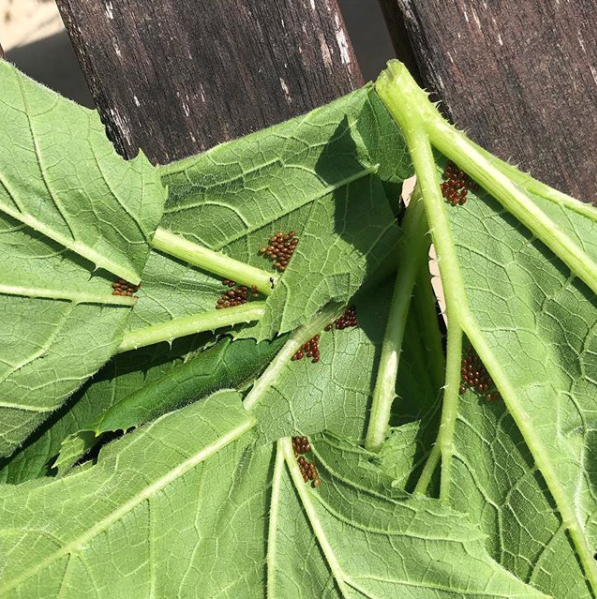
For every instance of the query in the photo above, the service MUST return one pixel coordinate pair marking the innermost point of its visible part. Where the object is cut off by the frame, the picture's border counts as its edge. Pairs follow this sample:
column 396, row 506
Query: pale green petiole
column 421, row 124
column 308, row 504
column 298, row 338
column 214, row 262
column 414, row 247
column 399, row 88
column 189, row 325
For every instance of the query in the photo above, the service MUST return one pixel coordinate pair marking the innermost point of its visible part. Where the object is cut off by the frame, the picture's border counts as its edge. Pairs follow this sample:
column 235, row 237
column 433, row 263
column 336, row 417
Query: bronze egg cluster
column 309, row 349
column 235, row 297
column 280, row 249
column 122, row 287
column 308, row 471
column 301, row 445
column 456, row 185
column 475, row 376
column 348, row 319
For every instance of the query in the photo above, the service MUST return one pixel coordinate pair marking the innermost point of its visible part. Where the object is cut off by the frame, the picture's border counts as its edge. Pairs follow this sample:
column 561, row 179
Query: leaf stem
column 399, row 99
column 414, row 247
column 273, row 521
column 77, row 297
column 445, row 437
column 214, row 262
column 285, row 446
column 513, row 198
column 396, row 87
column 427, row 319
column 298, row 338
column 404, row 100
column 536, row 187
column 189, row 325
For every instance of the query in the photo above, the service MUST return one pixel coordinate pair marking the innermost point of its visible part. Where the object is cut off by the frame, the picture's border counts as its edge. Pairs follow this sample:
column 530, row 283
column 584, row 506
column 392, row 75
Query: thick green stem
column 398, row 87
column 457, row 147
column 298, row 338
column 189, row 325
column 214, row 262
column 411, row 109
column 428, row 322
column 538, row 188
column 445, row 438
column 273, row 521
column 398, row 100
column 413, row 252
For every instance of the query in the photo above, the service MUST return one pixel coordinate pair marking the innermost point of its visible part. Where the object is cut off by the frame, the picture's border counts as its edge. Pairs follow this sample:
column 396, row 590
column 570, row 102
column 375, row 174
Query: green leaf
column 205, row 512
column 68, row 204
column 133, row 389
column 172, row 289
column 121, row 377
column 226, row 365
column 354, row 526
column 541, row 327
column 316, row 175
column 524, row 296
column 334, row 394
column 48, row 548
column 64, row 181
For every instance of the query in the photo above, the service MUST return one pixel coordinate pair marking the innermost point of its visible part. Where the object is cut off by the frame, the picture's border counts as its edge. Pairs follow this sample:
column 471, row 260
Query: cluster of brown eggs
column 235, row 297
column 280, row 249
column 348, row 319
column 475, row 376
column 301, row 445
column 308, row 469
column 122, row 287
column 456, row 185
column 309, row 349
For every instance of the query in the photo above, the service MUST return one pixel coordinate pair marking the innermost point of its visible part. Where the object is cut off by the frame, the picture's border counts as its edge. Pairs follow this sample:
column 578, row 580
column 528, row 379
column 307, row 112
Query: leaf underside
column 541, row 325
column 311, row 175
column 204, row 498
column 68, row 205
column 172, row 532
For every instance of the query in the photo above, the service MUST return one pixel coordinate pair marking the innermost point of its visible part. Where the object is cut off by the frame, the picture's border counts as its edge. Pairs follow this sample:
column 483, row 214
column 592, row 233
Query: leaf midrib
column 145, row 494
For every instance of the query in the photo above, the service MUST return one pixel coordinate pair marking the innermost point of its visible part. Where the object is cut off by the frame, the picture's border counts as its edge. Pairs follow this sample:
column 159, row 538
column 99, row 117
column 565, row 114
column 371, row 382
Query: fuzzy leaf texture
column 74, row 217
column 207, row 513
column 330, row 176
column 541, row 326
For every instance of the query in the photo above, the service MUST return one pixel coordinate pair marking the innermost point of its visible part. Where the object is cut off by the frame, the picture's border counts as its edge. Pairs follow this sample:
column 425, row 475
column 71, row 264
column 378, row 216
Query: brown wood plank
column 399, row 36
column 520, row 76
column 175, row 77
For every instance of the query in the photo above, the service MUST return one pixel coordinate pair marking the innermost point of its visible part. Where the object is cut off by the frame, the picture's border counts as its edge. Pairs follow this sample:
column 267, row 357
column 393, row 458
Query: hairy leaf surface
column 540, row 324
column 317, row 175
column 68, row 203
column 135, row 388
column 207, row 513
column 63, row 179
column 334, row 394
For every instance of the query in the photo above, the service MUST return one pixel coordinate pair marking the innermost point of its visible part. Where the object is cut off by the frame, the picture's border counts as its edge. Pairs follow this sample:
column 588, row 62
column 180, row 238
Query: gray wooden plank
column 520, row 76
column 175, row 77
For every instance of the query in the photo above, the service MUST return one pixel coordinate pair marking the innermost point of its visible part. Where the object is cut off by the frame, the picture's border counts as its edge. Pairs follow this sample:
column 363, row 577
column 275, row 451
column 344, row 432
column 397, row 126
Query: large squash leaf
column 318, row 175
column 540, row 328
column 68, row 205
column 205, row 512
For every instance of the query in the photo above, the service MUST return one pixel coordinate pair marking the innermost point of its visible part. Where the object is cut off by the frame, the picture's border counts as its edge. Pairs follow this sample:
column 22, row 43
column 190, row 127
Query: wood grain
column 399, row 36
column 519, row 76
column 175, row 77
